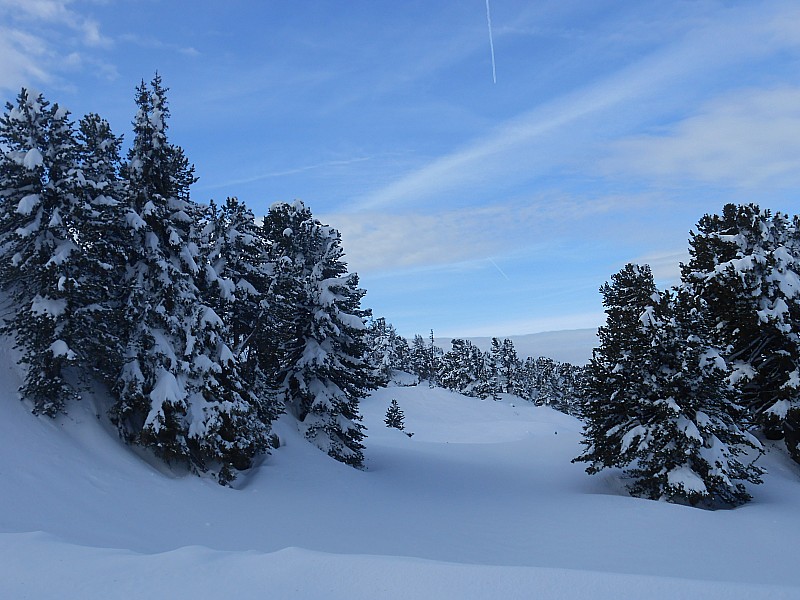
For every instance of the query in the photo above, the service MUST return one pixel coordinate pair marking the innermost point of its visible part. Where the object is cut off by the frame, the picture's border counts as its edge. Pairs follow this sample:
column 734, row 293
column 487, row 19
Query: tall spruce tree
column 660, row 403
column 745, row 265
column 179, row 393
column 420, row 358
column 509, row 366
column 98, row 321
column 693, row 450
column 619, row 368
column 38, row 192
column 493, row 372
column 434, row 359
column 502, row 366
column 237, row 284
column 322, row 371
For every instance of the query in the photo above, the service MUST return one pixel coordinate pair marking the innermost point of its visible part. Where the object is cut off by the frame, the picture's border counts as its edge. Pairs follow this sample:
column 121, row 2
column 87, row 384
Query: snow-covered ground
column 482, row 502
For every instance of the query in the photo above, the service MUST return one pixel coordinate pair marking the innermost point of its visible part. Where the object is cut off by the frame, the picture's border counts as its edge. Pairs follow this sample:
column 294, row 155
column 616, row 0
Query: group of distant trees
column 468, row 370
column 682, row 377
column 203, row 323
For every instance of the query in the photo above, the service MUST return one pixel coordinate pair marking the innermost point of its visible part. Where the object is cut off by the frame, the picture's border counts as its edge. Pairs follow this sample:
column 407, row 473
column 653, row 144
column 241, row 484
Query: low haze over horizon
column 472, row 207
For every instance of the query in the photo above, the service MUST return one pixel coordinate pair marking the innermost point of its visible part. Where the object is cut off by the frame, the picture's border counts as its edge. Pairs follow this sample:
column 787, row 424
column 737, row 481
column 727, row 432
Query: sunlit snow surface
column 482, row 502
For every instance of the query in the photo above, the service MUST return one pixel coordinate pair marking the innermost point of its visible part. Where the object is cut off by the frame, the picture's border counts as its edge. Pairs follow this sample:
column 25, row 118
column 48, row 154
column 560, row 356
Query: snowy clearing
column 482, row 502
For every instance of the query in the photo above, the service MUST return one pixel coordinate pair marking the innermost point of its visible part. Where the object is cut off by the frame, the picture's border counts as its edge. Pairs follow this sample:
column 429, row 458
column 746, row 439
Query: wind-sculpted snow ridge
column 197, row 572
column 482, row 502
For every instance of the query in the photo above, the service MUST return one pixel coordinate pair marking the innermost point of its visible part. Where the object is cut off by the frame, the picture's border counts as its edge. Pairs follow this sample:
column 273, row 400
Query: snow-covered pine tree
column 151, row 408
column 570, row 396
column 38, row 225
column 619, row 369
column 179, row 392
column 228, row 424
column 434, row 358
column 745, row 265
column 322, row 371
column 496, row 382
column 545, row 381
column 662, row 407
column 420, row 358
column 698, row 453
column 387, row 352
column 452, row 373
column 394, row 416
column 237, row 285
column 508, row 366
column 538, row 385
column 237, row 269
column 511, row 364
column 462, row 369
column 102, row 236
column 526, row 380
column 402, row 355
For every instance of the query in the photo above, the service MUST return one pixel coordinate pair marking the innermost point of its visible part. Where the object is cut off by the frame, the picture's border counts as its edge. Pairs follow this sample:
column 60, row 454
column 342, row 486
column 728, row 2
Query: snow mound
column 195, row 572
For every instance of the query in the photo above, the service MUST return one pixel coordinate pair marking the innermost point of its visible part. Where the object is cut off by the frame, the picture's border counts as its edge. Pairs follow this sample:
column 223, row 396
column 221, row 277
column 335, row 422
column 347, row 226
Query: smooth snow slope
column 482, row 502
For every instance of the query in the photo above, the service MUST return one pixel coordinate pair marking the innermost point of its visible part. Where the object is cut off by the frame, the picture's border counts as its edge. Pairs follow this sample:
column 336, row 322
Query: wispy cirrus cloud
column 749, row 138
column 545, row 137
column 23, row 57
column 54, row 12
column 665, row 265
column 32, row 40
column 379, row 241
column 152, row 43
column 286, row 172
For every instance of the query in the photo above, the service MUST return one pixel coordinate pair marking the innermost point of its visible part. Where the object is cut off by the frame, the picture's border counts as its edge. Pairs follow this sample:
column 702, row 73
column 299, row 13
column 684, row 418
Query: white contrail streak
column 491, row 260
column 491, row 41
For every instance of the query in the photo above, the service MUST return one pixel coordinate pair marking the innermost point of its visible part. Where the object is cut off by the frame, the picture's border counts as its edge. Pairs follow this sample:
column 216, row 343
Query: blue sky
column 465, row 205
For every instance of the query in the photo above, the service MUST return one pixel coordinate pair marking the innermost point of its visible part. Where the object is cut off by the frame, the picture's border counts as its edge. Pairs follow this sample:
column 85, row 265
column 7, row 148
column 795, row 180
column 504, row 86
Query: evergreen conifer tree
column 322, row 372
column 494, row 369
column 745, row 265
column 387, row 352
column 692, row 449
column 661, row 406
column 502, row 365
column 462, row 369
column 420, row 358
column 434, row 358
column 237, row 285
column 39, row 202
column 619, row 368
column 97, row 323
column 180, row 392
column 509, row 365
column 537, row 381
column 394, row 416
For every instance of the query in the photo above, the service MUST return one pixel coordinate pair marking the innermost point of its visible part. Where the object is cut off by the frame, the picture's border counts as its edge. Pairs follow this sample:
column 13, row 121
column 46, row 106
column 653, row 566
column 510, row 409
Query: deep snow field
column 482, row 502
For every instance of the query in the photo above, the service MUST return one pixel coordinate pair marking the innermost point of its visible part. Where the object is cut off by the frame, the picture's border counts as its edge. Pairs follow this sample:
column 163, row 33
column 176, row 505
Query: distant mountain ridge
column 568, row 345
